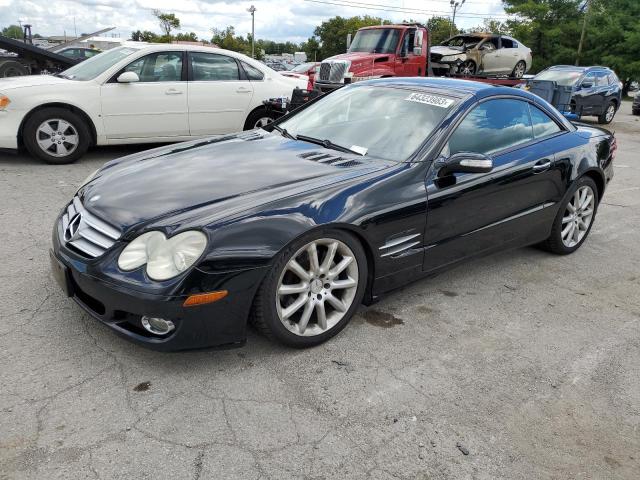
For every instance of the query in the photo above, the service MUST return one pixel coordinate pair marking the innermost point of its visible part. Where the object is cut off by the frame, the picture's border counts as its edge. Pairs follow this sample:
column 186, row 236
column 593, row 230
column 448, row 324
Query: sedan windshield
column 565, row 78
column 91, row 68
column 384, row 122
column 379, row 40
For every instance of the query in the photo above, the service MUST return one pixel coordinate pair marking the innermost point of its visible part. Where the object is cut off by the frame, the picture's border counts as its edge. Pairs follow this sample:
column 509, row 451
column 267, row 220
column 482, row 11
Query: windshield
column 565, row 78
column 302, row 68
column 462, row 41
column 379, row 40
column 91, row 68
column 384, row 122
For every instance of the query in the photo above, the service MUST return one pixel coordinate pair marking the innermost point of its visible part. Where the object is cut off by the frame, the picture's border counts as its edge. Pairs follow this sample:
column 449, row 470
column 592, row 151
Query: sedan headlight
column 450, row 58
column 165, row 257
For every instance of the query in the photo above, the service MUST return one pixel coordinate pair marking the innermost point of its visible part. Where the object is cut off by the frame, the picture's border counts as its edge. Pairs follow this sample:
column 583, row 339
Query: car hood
column 443, row 50
column 215, row 178
column 11, row 83
column 361, row 59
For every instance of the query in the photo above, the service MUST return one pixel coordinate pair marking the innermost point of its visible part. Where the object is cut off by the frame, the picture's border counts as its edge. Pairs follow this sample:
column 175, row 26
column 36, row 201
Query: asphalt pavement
column 522, row 365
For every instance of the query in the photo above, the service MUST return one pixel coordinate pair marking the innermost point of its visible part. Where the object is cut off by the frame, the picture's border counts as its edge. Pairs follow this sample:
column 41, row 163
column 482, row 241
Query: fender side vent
column 381, row 59
column 250, row 135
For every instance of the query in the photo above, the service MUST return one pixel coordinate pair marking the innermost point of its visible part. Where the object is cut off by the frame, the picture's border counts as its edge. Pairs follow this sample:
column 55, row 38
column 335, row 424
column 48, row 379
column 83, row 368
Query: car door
column 602, row 92
column 584, row 94
column 155, row 107
column 491, row 55
column 472, row 213
column 219, row 94
column 408, row 64
column 510, row 54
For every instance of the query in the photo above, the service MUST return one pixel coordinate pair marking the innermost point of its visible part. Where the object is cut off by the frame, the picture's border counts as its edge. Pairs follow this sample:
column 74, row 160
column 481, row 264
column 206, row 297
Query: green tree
column 187, row 37
column 167, row 21
column 612, row 38
column 13, row 31
column 551, row 28
column 332, row 33
column 312, row 48
column 490, row 25
column 229, row 40
column 440, row 28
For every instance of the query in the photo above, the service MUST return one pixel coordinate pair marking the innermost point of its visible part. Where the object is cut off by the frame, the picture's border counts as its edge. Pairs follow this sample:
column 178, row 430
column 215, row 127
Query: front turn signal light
column 4, row 102
column 203, row 298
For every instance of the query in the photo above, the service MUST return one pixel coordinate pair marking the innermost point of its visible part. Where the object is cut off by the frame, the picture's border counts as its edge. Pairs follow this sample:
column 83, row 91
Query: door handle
column 173, row 91
column 243, row 90
column 542, row 166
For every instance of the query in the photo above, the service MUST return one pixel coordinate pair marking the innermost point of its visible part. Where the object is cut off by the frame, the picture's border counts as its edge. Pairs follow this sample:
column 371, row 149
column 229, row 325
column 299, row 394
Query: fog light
column 157, row 326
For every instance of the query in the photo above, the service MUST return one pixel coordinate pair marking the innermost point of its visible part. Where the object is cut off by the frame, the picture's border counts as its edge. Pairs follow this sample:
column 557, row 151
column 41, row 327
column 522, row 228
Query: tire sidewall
column 557, row 229
column 513, row 73
column 36, row 119
column 602, row 119
column 270, row 314
column 253, row 117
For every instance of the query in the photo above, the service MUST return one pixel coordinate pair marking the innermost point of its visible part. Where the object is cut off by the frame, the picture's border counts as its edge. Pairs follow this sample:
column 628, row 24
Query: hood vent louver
column 250, row 135
column 329, row 159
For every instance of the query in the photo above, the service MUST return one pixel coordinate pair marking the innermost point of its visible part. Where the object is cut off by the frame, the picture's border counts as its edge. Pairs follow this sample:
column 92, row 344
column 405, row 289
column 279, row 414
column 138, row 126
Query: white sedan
column 137, row 93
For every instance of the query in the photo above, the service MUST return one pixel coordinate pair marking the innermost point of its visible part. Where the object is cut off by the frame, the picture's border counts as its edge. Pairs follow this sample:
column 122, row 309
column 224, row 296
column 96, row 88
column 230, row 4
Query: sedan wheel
column 578, row 216
column 317, row 287
column 57, row 137
column 519, row 70
column 608, row 114
column 312, row 289
column 263, row 122
column 468, row 68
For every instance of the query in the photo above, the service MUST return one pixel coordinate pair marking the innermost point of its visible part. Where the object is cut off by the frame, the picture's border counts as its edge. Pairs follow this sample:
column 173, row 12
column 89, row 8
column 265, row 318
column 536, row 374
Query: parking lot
column 522, row 365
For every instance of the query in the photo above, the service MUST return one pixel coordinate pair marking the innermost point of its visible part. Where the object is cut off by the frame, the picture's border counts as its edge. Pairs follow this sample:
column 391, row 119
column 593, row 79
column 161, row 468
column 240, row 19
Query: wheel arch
column 67, row 106
column 598, row 178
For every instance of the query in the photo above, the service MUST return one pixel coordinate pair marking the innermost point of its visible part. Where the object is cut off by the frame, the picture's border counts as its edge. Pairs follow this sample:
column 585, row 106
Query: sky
column 278, row 20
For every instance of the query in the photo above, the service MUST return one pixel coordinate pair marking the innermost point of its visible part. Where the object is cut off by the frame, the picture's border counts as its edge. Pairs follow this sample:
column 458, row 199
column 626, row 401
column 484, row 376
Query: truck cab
column 377, row 52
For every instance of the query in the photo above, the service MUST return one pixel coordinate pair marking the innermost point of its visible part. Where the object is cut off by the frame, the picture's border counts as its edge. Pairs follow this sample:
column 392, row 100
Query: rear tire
column 608, row 114
column 258, row 118
column 581, row 218
column 519, row 70
column 307, row 305
column 56, row 135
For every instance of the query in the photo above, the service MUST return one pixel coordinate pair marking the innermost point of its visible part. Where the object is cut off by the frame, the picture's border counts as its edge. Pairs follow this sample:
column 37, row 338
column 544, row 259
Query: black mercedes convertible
column 293, row 226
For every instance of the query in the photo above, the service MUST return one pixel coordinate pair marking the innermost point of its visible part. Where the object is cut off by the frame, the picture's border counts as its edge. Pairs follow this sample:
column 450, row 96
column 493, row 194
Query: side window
column 601, row 79
column 252, row 73
column 508, row 43
column 90, row 53
column 211, row 67
column 589, row 78
column 158, row 67
column 543, row 125
column 492, row 126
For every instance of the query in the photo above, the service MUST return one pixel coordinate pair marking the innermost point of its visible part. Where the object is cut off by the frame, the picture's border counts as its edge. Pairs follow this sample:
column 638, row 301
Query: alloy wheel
column 468, row 68
column 611, row 111
column 263, row 122
column 57, row 137
column 518, row 72
column 317, row 287
column 578, row 216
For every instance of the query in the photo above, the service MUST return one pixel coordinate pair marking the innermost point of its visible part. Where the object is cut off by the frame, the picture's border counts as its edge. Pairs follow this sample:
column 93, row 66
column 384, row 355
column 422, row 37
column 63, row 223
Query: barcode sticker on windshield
column 434, row 100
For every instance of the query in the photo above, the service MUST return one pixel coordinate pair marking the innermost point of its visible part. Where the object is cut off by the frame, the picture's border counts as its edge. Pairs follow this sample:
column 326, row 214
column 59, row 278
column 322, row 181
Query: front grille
column 86, row 233
column 333, row 71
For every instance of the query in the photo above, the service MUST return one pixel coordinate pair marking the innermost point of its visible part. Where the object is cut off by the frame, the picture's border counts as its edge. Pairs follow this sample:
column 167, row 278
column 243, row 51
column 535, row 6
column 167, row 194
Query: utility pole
column 252, row 11
column 455, row 6
column 584, row 29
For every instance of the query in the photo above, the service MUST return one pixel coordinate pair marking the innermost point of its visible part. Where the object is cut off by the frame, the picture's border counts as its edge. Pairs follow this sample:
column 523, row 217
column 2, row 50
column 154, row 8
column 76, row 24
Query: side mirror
column 418, row 39
column 128, row 77
column 586, row 84
column 348, row 41
column 465, row 162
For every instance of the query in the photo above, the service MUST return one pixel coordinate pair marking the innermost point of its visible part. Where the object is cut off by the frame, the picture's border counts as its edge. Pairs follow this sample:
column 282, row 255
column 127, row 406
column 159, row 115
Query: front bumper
column 9, row 126
column 221, row 324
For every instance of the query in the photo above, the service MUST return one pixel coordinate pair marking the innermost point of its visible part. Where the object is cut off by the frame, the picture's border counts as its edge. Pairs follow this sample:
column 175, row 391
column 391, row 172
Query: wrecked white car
column 481, row 53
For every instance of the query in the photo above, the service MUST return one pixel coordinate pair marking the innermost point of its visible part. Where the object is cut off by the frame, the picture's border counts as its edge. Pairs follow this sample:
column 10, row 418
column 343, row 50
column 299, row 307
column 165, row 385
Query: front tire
column 468, row 67
column 56, row 135
column 312, row 290
column 575, row 218
column 608, row 114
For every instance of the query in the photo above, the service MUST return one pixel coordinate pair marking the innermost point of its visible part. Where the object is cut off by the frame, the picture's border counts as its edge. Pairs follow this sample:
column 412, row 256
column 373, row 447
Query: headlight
column 449, row 58
column 4, row 102
column 165, row 257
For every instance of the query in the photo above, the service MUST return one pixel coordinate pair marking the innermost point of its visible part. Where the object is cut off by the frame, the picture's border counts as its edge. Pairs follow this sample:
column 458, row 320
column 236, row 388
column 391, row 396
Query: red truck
column 384, row 51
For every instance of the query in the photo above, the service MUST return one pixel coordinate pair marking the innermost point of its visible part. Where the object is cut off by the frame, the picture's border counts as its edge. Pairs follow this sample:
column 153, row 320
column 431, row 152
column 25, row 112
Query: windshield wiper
column 284, row 132
column 327, row 144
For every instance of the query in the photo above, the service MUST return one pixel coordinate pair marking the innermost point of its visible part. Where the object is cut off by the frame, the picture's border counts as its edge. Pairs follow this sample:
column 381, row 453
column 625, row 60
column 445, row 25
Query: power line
column 391, row 8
